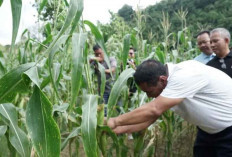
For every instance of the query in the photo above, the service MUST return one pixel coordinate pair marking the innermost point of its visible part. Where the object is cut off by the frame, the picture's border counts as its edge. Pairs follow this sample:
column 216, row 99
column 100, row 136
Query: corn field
column 49, row 98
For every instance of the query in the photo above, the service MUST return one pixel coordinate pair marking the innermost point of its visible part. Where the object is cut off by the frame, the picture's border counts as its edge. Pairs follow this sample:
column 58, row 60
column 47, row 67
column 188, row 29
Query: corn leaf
column 117, row 89
column 60, row 108
column 16, row 6
column 1, row 1
column 75, row 132
column 57, row 72
column 18, row 138
column 126, row 47
column 12, row 82
column 42, row 5
column 78, row 44
column 3, row 130
column 41, row 126
column 52, row 53
column 32, row 73
column 4, row 150
column 160, row 54
column 52, row 49
column 70, row 16
column 103, row 79
column 77, row 16
column 89, row 125
column 180, row 37
column 113, row 137
column 134, row 41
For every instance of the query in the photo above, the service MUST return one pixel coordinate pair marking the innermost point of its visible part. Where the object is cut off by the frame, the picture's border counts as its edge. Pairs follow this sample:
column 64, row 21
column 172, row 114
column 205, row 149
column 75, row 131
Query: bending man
column 198, row 93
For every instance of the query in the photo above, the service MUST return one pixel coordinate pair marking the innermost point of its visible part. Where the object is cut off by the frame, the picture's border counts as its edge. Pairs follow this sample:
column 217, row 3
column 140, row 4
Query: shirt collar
column 206, row 56
column 229, row 55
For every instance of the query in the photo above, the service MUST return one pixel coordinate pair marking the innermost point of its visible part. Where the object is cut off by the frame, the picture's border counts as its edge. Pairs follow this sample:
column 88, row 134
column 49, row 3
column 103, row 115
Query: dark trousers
column 106, row 98
column 213, row 145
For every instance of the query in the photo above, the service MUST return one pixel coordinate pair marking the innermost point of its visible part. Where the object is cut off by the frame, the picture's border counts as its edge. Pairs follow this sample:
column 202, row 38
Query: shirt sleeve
column 184, row 85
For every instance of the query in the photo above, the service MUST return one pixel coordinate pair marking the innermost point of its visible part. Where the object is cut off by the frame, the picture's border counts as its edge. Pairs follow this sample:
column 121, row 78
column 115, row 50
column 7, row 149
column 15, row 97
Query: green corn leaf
column 45, row 42
column 98, row 36
column 74, row 133
column 41, row 126
column 3, row 130
column 139, row 143
column 160, row 54
column 70, row 16
column 151, row 55
column 134, row 41
column 118, row 86
column 103, row 79
column 42, row 5
column 1, row 1
column 126, row 47
column 16, row 6
column 45, row 82
column 60, row 108
column 57, row 72
column 89, row 125
column 77, row 16
column 18, row 138
column 66, row 3
column 78, row 44
column 113, row 137
column 52, row 53
column 52, row 49
column 48, row 29
column 180, row 37
column 12, row 82
column 2, row 66
column 32, row 73
column 24, row 32
column 4, row 150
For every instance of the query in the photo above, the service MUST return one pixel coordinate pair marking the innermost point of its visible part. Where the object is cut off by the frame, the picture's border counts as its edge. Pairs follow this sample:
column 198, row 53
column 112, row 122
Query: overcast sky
column 94, row 10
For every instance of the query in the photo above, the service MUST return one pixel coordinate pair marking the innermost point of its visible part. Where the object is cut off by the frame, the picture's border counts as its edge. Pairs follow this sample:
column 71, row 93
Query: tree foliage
column 207, row 14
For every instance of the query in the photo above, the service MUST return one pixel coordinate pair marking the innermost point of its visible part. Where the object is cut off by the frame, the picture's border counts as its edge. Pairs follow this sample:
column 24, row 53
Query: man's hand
column 111, row 123
column 98, row 59
column 143, row 116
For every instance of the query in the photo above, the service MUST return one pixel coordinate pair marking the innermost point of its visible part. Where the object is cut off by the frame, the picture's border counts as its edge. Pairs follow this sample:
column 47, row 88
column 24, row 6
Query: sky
column 94, row 10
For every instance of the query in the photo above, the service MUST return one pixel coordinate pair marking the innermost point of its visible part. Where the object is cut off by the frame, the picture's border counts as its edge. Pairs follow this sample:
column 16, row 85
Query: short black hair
column 203, row 32
column 96, row 47
column 149, row 72
column 131, row 48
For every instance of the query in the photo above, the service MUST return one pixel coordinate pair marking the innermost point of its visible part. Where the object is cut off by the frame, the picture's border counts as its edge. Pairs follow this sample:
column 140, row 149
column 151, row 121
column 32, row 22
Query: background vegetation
column 196, row 15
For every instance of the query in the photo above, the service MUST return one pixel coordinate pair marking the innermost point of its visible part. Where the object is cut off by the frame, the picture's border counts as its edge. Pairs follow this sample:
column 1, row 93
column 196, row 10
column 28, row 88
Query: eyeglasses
column 223, row 64
column 131, row 53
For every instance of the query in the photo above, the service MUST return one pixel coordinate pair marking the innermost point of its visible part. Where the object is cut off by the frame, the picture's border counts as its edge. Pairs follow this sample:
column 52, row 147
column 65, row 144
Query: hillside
column 197, row 15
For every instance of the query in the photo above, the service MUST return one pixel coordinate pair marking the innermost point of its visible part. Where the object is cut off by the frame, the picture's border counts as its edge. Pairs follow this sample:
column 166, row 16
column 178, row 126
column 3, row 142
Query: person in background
column 131, row 56
column 220, row 40
column 132, row 64
column 99, row 57
column 198, row 93
column 203, row 42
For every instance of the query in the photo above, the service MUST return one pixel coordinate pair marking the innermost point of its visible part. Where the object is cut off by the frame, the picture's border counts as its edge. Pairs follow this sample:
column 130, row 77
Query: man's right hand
column 112, row 123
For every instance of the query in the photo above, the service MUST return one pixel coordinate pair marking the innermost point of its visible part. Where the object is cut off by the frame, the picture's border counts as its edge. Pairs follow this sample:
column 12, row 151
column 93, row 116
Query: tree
column 126, row 12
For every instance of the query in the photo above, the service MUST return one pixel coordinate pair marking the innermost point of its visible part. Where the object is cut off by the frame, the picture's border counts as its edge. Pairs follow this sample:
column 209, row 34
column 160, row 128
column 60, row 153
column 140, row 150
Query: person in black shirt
column 220, row 40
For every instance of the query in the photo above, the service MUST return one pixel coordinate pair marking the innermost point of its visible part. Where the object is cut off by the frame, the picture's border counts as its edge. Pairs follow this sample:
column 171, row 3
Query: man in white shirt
column 198, row 93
